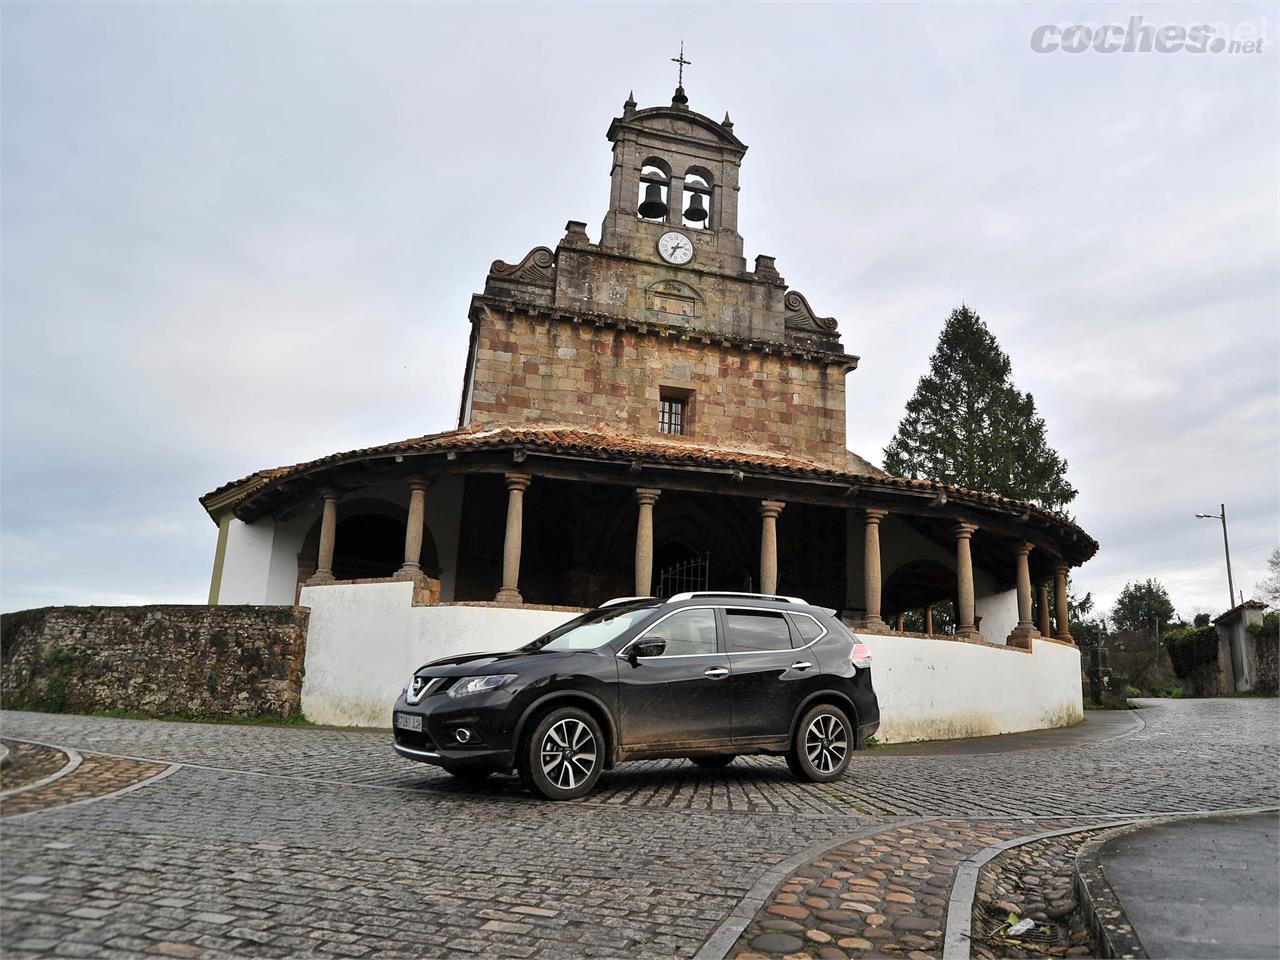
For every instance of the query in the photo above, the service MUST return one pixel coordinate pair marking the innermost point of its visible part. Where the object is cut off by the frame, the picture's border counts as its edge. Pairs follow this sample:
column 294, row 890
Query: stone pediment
column 534, row 277
column 681, row 123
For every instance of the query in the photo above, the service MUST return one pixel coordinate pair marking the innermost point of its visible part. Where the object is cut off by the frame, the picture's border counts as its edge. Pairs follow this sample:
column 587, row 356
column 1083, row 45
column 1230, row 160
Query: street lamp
column 1231, row 587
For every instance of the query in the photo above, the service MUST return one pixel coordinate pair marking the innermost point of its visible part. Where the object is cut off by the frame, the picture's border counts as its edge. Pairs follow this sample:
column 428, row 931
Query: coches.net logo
column 1138, row 36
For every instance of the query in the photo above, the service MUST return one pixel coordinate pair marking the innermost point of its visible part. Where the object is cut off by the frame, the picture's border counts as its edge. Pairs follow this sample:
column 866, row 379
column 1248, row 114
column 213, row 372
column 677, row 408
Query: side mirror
column 648, row 647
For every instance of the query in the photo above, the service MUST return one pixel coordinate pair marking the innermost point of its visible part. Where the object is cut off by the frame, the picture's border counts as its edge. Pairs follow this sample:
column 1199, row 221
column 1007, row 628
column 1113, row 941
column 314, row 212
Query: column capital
column 518, row 481
column 771, row 508
column 1061, row 569
column 647, row 495
column 1023, row 548
column 875, row 514
column 964, row 530
column 418, row 483
column 328, row 493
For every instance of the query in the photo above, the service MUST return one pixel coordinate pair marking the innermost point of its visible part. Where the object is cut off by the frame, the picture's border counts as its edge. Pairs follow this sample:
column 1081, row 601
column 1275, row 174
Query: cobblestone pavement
column 291, row 842
column 29, row 763
column 96, row 776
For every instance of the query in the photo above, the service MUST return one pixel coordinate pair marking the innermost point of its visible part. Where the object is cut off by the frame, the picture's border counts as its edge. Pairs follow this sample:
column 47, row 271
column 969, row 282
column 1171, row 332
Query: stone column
column 1060, row 590
column 898, row 624
column 1026, row 629
column 517, row 484
column 646, row 497
column 328, row 536
column 1044, row 608
column 964, row 581
column 871, row 576
column 412, row 566
column 928, row 620
column 769, row 510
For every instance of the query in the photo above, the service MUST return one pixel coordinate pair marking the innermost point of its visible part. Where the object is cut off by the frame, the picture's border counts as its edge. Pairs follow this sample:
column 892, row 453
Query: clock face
column 675, row 247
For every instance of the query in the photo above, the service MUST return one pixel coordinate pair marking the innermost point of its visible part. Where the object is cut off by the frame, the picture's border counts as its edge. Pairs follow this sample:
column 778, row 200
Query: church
column 644, row 414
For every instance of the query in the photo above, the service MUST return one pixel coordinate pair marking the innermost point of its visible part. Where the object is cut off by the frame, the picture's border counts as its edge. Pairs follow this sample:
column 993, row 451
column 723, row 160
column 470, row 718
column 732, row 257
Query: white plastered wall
column 365, row 640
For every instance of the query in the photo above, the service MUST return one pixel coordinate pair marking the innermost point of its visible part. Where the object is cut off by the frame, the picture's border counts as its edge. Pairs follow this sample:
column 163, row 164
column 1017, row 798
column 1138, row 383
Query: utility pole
column 1226, row 546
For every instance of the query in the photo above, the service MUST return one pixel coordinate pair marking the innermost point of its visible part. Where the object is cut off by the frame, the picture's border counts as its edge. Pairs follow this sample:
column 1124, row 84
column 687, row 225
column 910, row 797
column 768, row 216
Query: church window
column 655, row 190
column 697, row 199
column 672, row 412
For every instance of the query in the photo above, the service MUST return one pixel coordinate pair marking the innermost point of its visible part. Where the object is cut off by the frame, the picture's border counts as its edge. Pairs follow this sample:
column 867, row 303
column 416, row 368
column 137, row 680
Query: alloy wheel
column 825, row 743
column 568, row 753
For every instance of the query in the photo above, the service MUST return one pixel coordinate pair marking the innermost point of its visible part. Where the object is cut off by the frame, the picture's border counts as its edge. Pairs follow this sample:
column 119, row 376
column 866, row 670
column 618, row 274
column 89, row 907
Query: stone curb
column 73, row 761
column 1103, row 911
column 1108, row 924
column 721, row 941
column 155, row 778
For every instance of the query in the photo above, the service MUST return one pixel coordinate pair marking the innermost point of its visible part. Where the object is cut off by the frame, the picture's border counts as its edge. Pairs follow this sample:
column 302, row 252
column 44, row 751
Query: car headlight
column 469, row 685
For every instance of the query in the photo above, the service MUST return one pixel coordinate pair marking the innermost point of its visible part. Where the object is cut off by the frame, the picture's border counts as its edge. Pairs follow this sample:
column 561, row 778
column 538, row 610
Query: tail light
column 861, row 656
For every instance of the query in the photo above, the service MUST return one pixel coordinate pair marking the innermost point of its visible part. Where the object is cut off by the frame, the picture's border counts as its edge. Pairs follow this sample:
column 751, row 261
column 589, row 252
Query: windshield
column 594, row 629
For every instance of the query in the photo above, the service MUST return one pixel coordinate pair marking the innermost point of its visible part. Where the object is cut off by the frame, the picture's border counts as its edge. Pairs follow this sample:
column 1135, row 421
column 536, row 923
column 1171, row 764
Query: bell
column 696, row 211
column 654, row 207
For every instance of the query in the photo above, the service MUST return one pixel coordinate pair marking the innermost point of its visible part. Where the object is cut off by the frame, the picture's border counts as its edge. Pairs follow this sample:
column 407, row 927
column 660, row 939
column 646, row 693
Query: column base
column 408, row 572
column 319, row 580
column 968, row 633
column 1022, row 635
column 874, row 624
column 509, row 597
column 1065, row 638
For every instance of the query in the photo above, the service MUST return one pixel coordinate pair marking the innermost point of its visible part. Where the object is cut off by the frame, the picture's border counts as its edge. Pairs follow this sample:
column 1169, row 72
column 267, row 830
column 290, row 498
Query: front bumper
column 487, row 718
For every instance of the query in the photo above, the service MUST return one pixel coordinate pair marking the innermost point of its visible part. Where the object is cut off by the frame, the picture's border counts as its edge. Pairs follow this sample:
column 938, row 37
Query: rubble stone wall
column 159, row 660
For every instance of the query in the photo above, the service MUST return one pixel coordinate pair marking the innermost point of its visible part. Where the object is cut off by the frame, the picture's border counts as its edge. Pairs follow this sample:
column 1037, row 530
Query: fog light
column 462, row 734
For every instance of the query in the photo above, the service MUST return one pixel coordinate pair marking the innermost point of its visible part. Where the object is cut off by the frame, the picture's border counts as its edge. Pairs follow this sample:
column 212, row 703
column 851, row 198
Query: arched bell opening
column 697, row 199
column 654, row 200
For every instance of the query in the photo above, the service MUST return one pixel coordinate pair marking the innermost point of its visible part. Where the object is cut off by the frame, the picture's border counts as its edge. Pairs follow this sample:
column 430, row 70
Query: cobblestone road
column 292, row 842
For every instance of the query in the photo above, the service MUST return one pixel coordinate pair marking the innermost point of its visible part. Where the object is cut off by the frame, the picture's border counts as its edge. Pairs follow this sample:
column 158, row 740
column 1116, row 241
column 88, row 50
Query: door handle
column 801, row 665
column 716, row 673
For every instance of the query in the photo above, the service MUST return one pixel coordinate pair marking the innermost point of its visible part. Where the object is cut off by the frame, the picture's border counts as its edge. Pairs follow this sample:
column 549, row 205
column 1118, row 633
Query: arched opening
column 368, row 543
column 921, row 592
column 655, row 191
column 697, row 213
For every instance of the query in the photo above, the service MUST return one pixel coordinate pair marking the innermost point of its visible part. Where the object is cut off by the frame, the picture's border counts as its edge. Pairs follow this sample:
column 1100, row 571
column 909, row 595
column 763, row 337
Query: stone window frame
column 682, row 396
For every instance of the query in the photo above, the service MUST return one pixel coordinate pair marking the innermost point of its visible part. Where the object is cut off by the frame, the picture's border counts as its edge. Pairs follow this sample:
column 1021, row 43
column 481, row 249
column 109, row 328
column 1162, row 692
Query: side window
column 754, row 630
column 688, row 633
column 808, row 628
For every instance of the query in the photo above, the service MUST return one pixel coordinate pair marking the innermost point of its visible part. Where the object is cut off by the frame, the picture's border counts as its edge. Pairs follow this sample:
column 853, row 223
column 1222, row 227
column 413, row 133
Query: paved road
column 284, row 842
column 1201, row 888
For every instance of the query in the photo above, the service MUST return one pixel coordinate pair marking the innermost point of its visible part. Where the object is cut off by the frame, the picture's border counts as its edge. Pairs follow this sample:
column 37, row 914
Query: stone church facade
column 640, row 415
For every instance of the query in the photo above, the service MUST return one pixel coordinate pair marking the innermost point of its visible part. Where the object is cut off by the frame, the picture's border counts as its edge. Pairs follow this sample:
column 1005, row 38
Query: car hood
column 480, row 664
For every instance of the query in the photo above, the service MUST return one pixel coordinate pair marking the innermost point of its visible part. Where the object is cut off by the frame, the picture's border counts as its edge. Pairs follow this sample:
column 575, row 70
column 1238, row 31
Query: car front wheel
column 564, row 755
column 822, row 746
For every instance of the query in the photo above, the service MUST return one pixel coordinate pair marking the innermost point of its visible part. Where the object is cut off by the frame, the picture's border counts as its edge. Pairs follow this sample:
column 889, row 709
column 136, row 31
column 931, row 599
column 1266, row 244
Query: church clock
column 675, row 248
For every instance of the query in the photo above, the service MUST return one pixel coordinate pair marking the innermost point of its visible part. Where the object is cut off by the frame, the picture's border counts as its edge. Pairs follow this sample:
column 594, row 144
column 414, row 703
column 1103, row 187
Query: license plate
column 409, row 721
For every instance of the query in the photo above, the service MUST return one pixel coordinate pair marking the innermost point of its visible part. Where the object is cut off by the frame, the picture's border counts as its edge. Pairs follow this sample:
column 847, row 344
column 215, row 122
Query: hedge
column 1194, row 653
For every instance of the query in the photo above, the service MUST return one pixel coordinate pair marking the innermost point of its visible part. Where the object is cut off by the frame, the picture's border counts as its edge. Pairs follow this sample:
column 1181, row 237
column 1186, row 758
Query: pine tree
column 968, row 425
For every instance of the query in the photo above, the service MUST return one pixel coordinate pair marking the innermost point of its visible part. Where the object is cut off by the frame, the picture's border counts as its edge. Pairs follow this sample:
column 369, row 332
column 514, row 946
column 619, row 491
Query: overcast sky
column 242, row 235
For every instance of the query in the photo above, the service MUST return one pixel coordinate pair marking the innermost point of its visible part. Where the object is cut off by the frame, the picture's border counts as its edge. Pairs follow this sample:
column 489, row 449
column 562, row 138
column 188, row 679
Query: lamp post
column 1231, row 587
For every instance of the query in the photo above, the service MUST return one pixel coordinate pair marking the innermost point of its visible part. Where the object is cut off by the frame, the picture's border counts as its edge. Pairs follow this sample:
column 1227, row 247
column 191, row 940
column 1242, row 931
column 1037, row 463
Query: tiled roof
column 608, row 444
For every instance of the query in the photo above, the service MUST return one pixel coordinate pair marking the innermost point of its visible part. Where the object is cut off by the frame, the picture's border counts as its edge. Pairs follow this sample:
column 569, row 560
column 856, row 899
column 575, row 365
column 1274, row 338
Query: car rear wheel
column 823, row 744
column 714, row 763
column 564, row 755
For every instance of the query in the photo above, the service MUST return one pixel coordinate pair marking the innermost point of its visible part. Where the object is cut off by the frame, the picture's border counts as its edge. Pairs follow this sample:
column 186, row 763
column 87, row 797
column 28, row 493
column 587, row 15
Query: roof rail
column 617, row 600
column 731, row 593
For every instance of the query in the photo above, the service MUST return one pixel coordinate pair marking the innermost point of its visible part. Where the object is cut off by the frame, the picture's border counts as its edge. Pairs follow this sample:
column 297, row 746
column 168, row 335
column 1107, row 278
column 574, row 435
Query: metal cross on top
column 683, row 63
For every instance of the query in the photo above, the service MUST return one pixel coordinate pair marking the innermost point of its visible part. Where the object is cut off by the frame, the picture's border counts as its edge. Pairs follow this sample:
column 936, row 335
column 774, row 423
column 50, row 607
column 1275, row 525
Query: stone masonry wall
column 159, row 660
column 579, row 374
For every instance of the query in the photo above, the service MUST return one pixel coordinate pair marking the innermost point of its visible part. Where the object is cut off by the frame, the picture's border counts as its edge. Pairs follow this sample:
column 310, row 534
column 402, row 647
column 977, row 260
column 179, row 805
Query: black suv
column 706, row 676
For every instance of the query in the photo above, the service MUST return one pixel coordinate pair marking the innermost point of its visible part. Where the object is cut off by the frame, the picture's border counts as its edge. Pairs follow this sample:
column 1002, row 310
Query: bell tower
column 674, row 170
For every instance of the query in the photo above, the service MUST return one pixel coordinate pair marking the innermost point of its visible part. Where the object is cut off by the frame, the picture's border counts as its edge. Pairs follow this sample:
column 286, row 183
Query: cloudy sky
column 240, row 235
